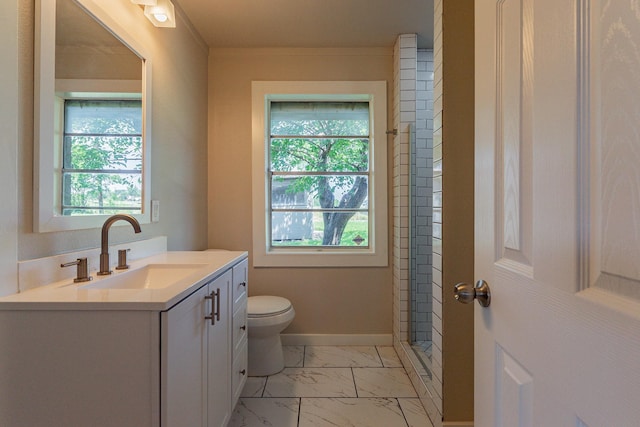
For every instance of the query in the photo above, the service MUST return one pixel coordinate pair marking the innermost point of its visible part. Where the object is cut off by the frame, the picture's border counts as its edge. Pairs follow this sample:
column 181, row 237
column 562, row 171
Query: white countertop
column 66, row 295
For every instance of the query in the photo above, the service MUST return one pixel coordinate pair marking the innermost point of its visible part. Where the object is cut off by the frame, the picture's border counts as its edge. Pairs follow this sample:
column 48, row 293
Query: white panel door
column 558, row 212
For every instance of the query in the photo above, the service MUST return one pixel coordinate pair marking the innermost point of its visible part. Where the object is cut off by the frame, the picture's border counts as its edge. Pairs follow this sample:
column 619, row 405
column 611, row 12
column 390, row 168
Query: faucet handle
column 82, row 274
column 122, row 259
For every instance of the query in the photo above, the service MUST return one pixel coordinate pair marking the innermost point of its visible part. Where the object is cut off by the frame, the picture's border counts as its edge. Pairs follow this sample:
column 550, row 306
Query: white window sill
column 320, row 258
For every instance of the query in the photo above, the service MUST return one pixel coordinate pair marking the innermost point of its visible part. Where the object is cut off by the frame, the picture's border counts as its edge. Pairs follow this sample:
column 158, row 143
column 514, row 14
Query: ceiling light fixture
column 161, row 13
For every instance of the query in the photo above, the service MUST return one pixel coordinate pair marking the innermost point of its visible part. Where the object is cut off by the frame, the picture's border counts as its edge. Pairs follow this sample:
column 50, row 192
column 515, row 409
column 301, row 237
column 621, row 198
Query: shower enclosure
column 421, row 213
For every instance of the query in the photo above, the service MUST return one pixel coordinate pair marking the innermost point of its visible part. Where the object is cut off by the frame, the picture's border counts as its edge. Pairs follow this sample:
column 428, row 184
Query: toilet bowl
column 267, row 317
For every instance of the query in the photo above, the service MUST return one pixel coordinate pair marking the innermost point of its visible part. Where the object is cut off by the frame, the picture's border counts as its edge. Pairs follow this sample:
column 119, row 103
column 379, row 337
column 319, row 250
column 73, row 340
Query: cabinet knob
column 243, row 284
column 243, row 327
column 244, row 371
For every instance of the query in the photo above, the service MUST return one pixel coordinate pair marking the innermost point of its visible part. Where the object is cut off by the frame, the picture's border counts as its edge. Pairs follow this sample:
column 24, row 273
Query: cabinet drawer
column 240, row 283
column 239, row 325
column 239, row 374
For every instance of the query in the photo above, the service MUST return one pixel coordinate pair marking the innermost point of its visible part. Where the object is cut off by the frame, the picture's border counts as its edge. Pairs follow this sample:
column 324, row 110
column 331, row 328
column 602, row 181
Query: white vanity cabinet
column 158, row 358
column 203, row 357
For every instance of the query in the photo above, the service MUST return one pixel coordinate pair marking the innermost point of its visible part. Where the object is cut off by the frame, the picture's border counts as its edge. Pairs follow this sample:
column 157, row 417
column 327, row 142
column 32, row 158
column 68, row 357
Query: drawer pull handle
column 215, row 312
column 218, row 305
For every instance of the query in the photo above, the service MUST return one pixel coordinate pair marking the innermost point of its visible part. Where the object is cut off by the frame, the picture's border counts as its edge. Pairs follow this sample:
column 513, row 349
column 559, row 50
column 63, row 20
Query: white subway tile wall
column 422, row 195
column 413, row 106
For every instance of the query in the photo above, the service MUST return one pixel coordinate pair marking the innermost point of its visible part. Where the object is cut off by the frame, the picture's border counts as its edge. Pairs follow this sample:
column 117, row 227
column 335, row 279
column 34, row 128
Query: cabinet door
column 219, row 354
column 184, row 362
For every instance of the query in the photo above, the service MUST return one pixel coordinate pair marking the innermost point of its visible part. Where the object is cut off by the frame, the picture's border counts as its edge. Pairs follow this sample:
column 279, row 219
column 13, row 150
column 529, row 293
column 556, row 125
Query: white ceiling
column 309, row 23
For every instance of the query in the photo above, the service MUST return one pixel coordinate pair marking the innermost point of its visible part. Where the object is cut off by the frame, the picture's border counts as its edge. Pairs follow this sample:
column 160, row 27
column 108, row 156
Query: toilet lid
column 260, row 306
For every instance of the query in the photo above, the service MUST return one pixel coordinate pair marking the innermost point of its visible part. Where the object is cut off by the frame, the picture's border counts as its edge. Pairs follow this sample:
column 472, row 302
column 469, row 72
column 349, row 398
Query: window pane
column 92, row 193
column 103, row 152
column 320, row 192
column 103, row 117
column 292, row 227
column 318, row 229
column 290, row 193
column 309, row 207
column 319, row 154
column 319, row 118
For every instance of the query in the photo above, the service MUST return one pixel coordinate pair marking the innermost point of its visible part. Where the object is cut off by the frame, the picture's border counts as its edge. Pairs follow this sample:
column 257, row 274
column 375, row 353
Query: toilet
column 267, row 317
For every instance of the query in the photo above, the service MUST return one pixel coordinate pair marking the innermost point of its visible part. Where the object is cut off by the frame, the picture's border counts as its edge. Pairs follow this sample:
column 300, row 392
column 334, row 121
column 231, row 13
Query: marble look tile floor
column 337, row 386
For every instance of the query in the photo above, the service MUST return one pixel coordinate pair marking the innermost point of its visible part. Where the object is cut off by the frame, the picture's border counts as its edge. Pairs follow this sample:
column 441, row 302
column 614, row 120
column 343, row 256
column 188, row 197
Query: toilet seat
column 266, row 306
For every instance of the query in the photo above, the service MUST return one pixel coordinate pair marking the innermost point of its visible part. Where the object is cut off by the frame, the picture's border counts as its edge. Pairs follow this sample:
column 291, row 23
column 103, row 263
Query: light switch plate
column 155, row 210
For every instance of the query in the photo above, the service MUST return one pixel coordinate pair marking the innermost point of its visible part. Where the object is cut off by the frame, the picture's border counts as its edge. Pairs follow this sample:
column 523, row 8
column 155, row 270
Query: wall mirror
column 92, row 116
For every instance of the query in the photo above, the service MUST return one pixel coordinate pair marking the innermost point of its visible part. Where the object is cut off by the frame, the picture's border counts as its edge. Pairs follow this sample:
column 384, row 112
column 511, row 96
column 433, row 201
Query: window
column 101, row 157
column 319, row 174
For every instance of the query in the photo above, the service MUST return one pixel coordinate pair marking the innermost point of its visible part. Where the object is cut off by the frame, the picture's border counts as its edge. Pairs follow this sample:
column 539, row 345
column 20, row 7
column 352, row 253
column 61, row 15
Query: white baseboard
column 337, row 339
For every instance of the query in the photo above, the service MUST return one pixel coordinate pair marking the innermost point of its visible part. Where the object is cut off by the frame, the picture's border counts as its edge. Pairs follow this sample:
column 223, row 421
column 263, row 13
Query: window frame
column 377, row 254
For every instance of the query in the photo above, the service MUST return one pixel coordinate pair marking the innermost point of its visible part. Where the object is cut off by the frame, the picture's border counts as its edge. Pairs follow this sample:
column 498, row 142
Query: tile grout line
column 402, row 411
column 355, row 386
column 304, row 354
column 379, row 357
column 264, row 387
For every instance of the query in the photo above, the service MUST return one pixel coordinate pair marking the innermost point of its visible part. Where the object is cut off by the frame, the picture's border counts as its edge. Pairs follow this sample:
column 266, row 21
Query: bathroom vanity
column 162, row 344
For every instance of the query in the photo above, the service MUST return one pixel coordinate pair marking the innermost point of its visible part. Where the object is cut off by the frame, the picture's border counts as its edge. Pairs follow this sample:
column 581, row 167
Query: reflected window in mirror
column 92, row 129
column 102, row 157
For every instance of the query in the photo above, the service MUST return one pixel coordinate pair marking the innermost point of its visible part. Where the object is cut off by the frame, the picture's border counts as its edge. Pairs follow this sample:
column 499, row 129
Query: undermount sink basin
column 151, row 276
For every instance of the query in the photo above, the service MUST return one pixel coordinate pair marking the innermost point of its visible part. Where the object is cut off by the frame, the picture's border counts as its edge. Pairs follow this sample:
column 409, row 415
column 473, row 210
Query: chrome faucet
column 104, row 253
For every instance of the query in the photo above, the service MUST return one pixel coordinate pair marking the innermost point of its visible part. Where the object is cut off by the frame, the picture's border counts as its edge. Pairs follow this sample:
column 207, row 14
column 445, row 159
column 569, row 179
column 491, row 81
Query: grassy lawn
column 357, row 226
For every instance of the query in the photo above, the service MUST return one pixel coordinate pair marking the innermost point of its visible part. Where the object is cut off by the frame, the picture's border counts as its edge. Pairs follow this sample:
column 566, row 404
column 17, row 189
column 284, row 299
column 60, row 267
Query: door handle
column 465, row 293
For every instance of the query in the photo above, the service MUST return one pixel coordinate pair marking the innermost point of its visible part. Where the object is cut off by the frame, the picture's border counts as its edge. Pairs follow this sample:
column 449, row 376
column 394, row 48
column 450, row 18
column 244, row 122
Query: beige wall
column 9, row 137
column 179, row 139
column 326, row 300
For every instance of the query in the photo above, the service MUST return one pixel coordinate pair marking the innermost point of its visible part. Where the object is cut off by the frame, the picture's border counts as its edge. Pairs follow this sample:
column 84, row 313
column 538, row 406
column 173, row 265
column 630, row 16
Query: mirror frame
column 46, row 215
